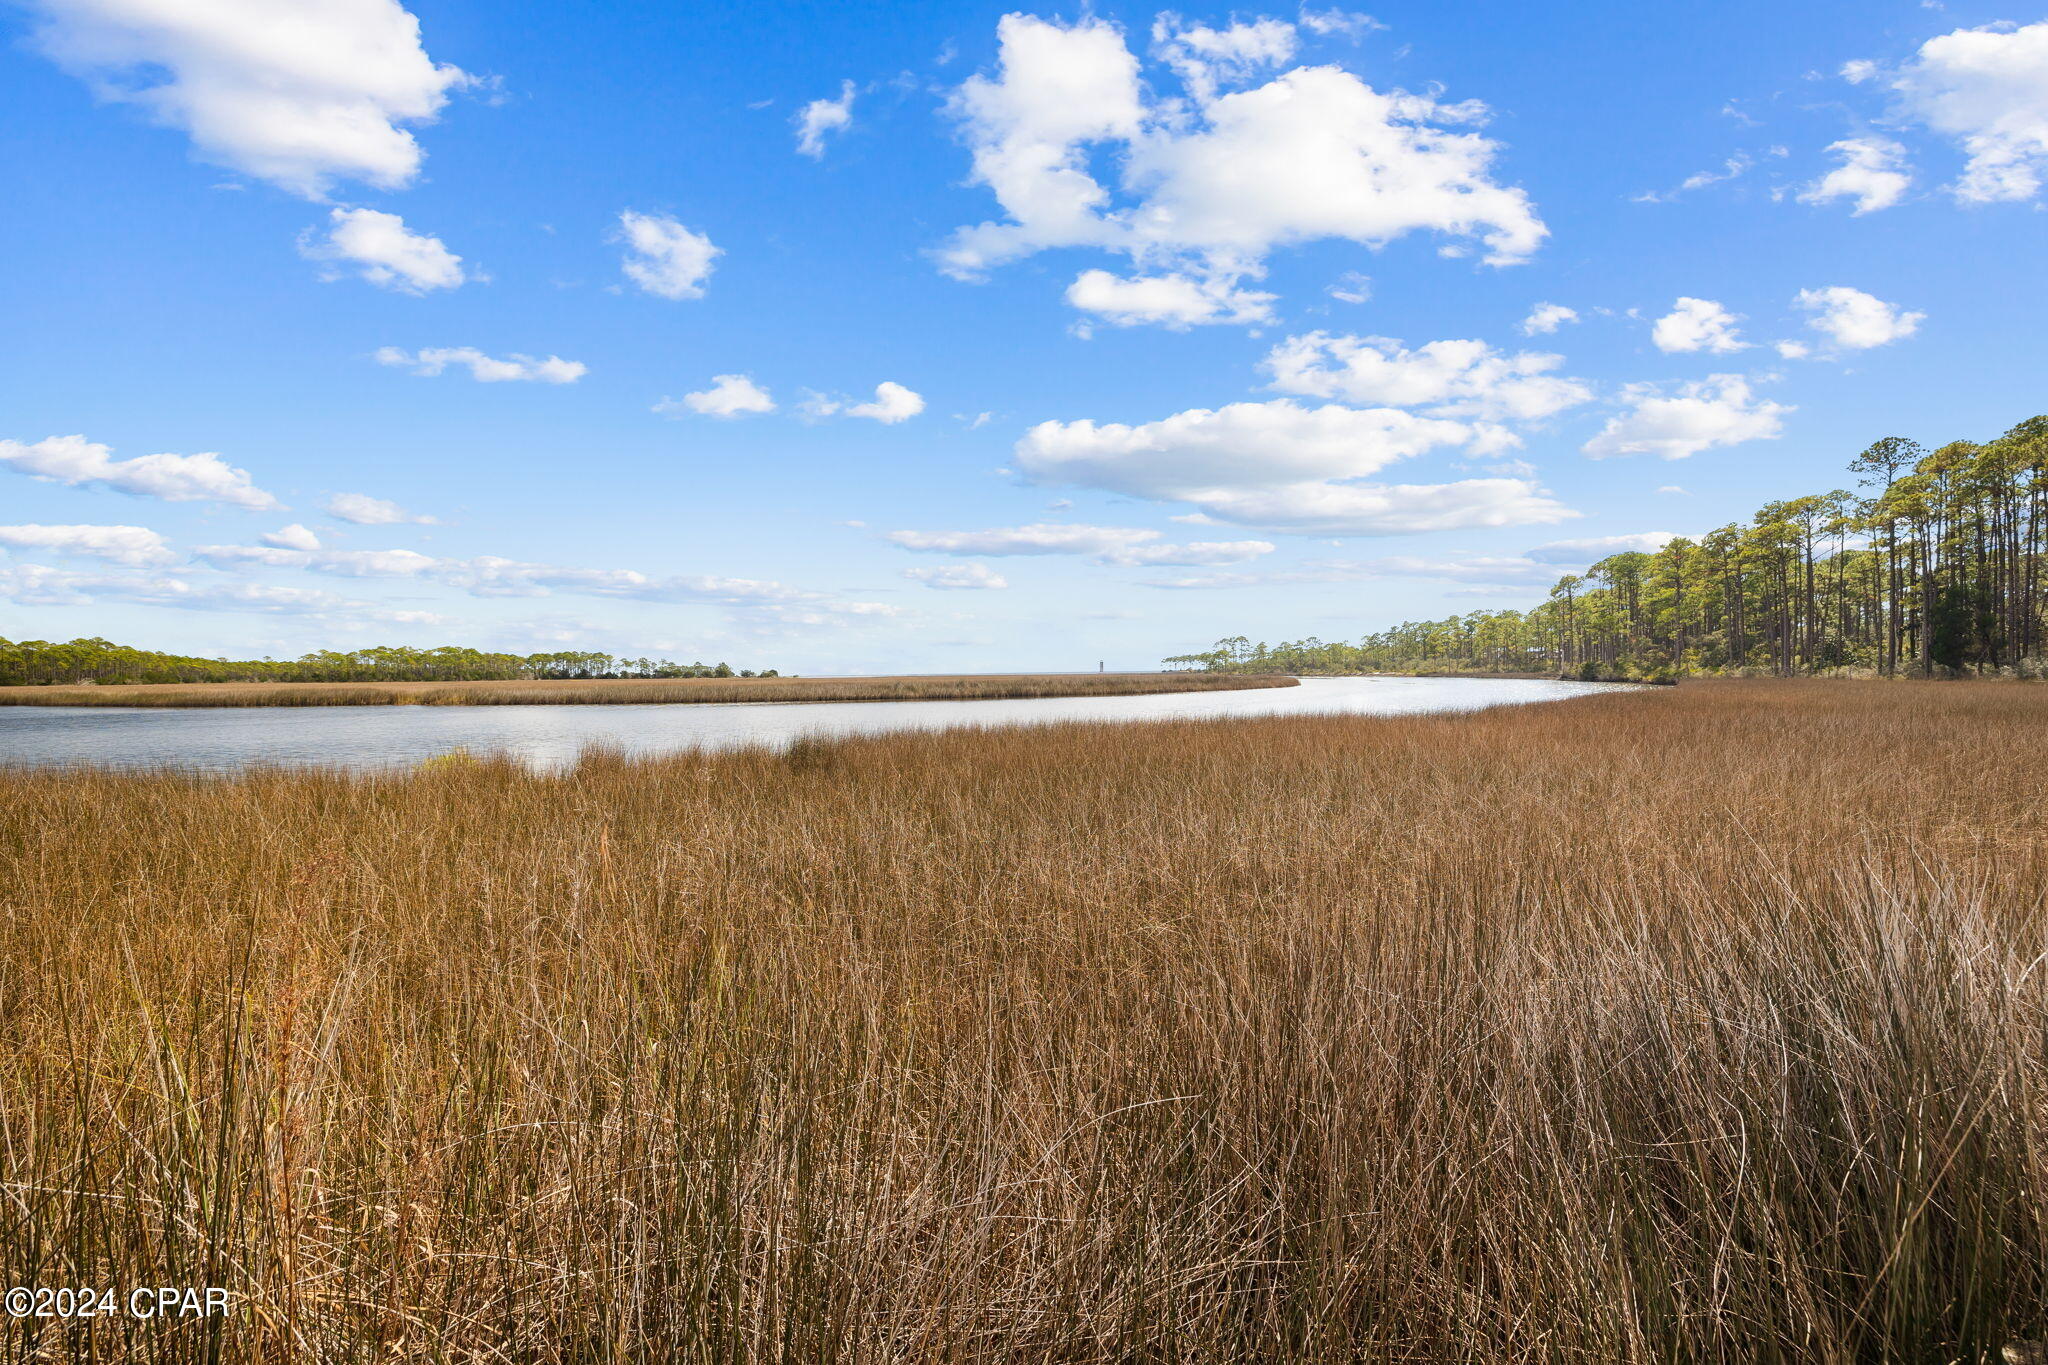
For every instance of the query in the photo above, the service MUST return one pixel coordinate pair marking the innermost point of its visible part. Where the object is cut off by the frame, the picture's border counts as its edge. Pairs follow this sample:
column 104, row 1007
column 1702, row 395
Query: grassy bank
column 1680, row 1025
column 614, row 691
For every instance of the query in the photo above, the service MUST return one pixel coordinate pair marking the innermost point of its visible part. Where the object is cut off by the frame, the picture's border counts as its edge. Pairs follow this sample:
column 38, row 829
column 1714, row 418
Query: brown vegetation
column 1698, row 1024
column 614, row 691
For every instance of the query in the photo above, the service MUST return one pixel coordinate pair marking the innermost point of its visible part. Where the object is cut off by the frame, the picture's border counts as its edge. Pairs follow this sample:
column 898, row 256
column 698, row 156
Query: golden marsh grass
column 1701, row 1024
column 616, row 691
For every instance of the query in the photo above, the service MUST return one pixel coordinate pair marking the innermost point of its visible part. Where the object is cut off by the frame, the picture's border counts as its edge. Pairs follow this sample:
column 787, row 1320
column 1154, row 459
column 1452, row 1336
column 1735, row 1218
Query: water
column 219, row 739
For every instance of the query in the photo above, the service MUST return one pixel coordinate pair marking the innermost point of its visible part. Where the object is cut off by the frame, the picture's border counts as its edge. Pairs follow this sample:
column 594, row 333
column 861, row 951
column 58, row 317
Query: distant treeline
column 1935, row 569
column 39, row 662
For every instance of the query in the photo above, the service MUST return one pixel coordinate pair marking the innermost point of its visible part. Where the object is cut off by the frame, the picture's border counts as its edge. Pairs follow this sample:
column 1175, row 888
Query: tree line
column 33, row 662
column 1934, row 566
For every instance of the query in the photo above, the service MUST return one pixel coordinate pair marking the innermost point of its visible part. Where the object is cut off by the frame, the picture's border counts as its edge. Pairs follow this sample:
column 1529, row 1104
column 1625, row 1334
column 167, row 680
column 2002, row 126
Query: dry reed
column 1702, row 1024
column 615, row 691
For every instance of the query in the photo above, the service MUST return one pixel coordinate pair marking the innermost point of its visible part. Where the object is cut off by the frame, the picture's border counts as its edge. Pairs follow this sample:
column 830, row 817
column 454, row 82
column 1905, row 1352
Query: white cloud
column 1352, row 287
column 364, row 510
column 665, row 258
column 958, row 576
column 1208, row 58
column 292, row 537
column 730, row 395
column 1733, row 168
column 385, row 252
column 1039, row 539
column 1546, row 318
column 761, row 603
column 1175, row 301
column 1490, row 575
column 174, row 478
column 1599, row 547
column 483, row 368
column 1987, row 88
column 40, row 585
column 1674, row 490
column 1104, row 544
column 1285, row 467
column 1855, row 320
column 892, row 403
column 1873, row 172
column 1209, row 185
column 299, row 94
column 1497, row 574
column 1793, row 350
column 345, row 563
column 820, row 117
column 135, row 545
column 1697, row 325
column 1717, row 411
column 1345, row 23
column 1193, row 552
column 1444, row 378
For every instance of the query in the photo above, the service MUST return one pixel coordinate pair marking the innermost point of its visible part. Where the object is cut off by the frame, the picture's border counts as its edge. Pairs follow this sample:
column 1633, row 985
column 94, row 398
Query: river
column 222, row 739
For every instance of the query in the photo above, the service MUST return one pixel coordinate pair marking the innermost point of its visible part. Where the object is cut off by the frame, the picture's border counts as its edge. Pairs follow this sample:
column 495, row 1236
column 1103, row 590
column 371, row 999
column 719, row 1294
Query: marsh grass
column 1702, row 1024
column 615, row 691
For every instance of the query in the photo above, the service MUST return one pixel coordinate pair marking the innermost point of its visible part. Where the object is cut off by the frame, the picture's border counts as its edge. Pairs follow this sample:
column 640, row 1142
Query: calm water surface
column 363, row 737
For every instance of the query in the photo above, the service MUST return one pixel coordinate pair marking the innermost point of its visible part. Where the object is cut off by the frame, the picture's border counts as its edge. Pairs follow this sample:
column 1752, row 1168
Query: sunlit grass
column 1702, row 1024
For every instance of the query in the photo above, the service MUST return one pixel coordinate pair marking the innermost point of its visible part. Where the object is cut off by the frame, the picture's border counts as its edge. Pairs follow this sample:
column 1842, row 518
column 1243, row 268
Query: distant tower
column 1099, row 665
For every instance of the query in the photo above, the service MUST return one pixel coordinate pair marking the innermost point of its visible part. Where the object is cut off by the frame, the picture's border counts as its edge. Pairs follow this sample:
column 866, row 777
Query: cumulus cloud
column 1873, row 172
column 1675, row 423
column 1174, row 301
column 292, row 537
column 1546, row 318
column 1208, row 58
column 1444, row 378
column 381, row 249
column 958, row 576
column 173, row 478
column 300, row 94
column 891, row 404
column 1986, row 88
column 730, row 395
column 364, row 510
column 663, row 257
column 1209, row 185
column 820, row 117
column 1282, row 466
column 134, row 545
column 483, row 368
column 1854, row 320
column 1697, row 325
column 1103, row 544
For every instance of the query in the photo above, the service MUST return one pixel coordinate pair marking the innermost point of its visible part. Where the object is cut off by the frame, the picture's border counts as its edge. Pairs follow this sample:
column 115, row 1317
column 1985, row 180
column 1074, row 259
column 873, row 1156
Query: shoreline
column 1483, row 676
column 633, row 691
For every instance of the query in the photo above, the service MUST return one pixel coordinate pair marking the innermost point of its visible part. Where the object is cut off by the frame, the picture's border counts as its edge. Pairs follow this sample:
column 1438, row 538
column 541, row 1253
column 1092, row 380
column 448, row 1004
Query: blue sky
column 430, row 304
